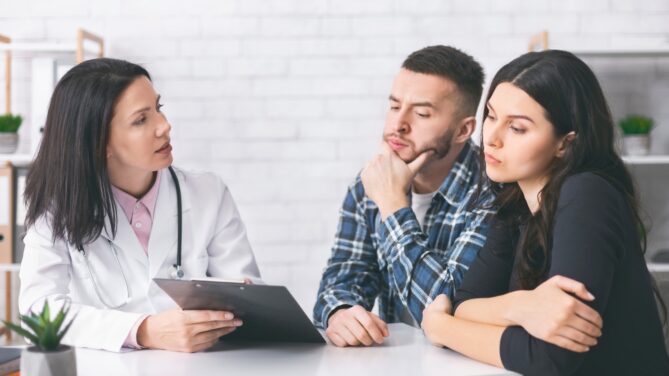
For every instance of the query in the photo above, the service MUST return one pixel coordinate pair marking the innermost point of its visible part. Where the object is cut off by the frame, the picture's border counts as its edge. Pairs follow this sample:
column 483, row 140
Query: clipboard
column 270, row 313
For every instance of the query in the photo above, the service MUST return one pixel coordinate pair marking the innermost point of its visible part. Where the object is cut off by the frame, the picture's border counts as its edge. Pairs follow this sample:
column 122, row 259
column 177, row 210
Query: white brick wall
column 285, row 98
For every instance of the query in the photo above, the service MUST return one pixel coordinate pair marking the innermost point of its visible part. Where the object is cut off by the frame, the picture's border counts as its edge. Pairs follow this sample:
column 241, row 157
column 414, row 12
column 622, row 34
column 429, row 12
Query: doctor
column 107, row 214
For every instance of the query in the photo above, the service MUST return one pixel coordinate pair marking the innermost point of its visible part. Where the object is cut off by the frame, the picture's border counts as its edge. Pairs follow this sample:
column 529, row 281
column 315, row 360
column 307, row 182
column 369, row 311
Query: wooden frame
column 83, row 35
column 538, row 42
column 8, row 74
column 8, row 274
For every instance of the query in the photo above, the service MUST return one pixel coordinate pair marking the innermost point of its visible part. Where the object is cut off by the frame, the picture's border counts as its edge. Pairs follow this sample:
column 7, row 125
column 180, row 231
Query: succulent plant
column 43, row 332
column 636, row 125
column 10, row 123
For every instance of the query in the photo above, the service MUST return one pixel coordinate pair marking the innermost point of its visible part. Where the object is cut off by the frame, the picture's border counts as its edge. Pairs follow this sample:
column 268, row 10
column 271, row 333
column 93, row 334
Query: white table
column 658, row 267
column 405, row 352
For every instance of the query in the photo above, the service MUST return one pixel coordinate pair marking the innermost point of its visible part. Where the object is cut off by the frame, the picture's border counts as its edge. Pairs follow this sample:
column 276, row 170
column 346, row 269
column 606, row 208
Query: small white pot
column 636, row 144
column 9, row 142
column 61, row 362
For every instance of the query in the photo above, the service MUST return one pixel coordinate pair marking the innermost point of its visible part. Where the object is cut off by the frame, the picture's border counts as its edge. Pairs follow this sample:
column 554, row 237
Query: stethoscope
column 176, row 271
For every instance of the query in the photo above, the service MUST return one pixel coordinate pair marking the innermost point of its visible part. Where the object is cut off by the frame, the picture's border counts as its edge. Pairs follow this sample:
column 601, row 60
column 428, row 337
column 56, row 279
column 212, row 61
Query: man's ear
column 465, row 129
column 564, row 143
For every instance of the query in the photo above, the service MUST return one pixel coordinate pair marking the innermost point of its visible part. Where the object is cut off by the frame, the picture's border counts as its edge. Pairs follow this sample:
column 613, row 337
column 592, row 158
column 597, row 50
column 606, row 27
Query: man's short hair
column 454, row 65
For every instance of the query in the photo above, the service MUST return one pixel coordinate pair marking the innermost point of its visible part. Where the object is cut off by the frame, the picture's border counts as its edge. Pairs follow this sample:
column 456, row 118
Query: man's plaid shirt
column 399, row 262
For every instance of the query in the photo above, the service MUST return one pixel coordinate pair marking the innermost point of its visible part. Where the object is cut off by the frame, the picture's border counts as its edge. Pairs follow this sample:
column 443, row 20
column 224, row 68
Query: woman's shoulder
column 41, row 231
column 203, row 189
column 197, row 179
column 589, row 186
column 589, row 195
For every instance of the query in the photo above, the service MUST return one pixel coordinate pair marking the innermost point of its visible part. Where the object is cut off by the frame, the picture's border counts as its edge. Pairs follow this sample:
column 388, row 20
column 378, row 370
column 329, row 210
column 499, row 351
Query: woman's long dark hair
column 573, row 101
column 68, row 182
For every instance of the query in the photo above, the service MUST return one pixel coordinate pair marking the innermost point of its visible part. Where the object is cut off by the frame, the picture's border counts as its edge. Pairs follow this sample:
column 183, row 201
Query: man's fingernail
column 592, row 297
column 229, row 316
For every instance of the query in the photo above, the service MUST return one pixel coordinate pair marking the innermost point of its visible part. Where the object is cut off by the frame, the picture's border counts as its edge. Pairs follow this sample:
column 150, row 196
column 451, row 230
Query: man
column 407, row 230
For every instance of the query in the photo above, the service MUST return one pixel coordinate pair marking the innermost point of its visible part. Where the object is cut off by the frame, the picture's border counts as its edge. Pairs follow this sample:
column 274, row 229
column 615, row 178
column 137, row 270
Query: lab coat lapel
column 163, row 240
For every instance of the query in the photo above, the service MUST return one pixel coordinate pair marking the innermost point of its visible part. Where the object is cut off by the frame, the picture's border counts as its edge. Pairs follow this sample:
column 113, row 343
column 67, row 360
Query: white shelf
column 16, row 158
column 10, row 267
column 662, row 51
column 646, row 159
column 45, row 48
column 39, row 47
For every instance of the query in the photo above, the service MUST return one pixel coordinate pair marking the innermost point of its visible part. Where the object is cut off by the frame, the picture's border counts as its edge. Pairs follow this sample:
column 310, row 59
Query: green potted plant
column 47, row 356
column 9, row 137
column 636, row 134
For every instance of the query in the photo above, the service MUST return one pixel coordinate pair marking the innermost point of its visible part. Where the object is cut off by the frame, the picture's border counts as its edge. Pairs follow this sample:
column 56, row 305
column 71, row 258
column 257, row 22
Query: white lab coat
column 214, row 242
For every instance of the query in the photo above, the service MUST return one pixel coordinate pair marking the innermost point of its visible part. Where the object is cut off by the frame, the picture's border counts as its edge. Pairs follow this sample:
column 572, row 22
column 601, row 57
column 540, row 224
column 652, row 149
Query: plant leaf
column 58, row 321
column 10, row 123
column 24, row 333
column 33, row 324
column 46, row 333
column 46, row 314
column 65, row 329
column 49, row 340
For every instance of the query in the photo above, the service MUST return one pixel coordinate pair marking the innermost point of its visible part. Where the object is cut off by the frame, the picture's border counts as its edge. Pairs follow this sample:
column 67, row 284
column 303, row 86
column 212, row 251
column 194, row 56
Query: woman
column 105, row 214
column 561, row 286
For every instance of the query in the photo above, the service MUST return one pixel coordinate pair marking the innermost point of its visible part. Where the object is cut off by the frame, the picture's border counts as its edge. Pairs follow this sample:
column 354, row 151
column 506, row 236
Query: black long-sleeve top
column 595, row 241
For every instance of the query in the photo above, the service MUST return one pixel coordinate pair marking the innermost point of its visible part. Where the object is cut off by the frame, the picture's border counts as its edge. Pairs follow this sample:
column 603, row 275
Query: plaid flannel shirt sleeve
column 352, row 274
column 419, row 273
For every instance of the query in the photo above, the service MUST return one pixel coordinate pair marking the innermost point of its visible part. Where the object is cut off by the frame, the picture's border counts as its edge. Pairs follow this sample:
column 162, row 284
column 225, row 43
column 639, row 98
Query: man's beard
column 440, row 147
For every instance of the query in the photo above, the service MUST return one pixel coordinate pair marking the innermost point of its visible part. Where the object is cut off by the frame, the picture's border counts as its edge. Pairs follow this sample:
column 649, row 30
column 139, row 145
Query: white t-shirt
column 420, row 203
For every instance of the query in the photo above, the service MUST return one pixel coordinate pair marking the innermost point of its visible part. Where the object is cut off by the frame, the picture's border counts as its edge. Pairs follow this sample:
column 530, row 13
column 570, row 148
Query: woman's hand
column 185, row 331
column 433, row 318
column 552, row 314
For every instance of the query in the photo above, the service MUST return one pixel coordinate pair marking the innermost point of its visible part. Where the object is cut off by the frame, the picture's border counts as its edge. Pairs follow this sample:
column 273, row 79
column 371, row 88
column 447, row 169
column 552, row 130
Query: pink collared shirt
column 139, row 212
column 140, row 216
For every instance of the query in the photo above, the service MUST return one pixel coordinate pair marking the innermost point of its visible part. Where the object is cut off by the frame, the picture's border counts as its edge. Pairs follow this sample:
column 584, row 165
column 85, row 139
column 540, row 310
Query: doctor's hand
column 387, row 179
column 554, row 312
column 355, row 326
column 185, row 331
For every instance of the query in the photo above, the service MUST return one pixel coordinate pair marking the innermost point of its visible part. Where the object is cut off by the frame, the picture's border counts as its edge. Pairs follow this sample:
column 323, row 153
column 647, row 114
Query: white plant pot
column 53, row 363
column 636, row 144
column 8, row 142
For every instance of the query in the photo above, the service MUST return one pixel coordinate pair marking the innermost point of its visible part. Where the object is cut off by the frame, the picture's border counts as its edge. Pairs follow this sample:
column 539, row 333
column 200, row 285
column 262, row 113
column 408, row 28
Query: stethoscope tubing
column 177, row 272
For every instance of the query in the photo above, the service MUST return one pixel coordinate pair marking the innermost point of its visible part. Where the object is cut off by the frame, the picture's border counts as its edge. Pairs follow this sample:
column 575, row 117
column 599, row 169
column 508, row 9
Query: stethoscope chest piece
column 176, row 272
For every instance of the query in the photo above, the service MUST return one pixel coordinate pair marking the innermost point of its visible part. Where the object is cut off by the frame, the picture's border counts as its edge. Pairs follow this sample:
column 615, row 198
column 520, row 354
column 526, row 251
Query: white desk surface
column 406, row 352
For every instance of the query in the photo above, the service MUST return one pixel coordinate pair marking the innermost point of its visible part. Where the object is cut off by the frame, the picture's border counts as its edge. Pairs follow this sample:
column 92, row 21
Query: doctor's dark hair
column 68, row 182
column 573, row 101
column 454, row 65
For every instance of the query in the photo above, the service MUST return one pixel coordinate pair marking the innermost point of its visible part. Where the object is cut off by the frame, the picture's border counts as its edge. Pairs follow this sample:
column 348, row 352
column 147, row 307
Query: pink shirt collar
column 128, row 201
